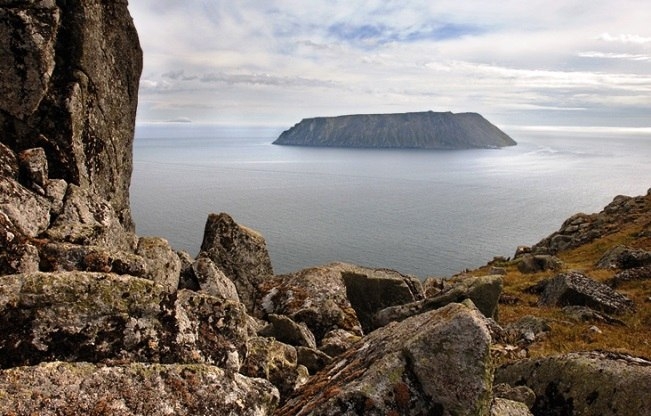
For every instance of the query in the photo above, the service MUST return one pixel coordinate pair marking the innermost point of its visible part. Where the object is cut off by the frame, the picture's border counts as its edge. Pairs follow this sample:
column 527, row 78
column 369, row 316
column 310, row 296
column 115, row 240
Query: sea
column 420, row 212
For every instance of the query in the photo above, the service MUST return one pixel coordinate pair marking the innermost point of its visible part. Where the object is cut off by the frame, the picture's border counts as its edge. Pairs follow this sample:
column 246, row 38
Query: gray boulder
column 163, row 264
column 284, row 329
column 622, row 257
column 505, row 407
column 370, row 290
column 484, row 291
column 529, row 263
column 574, row 288
column 314, row 296
column 213, row 281
column 338, row 341
column 595, row 383
column 434, row 363
column 239, row 252
column 28, row 212
column 60, row 388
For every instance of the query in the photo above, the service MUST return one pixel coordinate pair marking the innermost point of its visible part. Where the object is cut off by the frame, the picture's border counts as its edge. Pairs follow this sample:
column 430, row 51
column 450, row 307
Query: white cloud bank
column 277, row 61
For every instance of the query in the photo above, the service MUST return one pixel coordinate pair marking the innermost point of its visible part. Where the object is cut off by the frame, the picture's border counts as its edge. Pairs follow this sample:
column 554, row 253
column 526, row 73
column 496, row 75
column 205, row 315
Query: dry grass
column 634, row 337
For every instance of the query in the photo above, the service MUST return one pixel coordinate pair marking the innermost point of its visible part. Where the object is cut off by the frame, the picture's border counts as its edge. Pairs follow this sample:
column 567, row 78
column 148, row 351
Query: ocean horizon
column 421, row 212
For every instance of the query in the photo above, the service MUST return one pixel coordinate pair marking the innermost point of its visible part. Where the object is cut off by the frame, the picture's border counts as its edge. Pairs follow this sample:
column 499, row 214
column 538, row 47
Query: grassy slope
column 566, row 335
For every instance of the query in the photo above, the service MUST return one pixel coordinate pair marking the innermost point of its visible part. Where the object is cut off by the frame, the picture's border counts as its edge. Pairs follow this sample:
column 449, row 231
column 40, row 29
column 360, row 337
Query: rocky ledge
column 96, row 320
column 424, row 130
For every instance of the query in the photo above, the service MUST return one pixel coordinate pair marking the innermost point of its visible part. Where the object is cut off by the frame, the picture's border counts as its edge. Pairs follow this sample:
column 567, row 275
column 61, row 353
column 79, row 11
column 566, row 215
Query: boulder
column 314, row 360
column 284, row 329
column 28, row 212
column 33, row 167
column 163, row 264
column 522, row 394
column 55, row 192
column 71, row 257
column 60, row 388
column 505, row 407
column 89, row 219
column 199, row 328
column 628, row 275
column 622, row 257
column 437, row 362
column 78, row 316
column 274, row 361
column 239, row 252
column 314, row 296
column 527, row 329
column 370, row 290
column 81, row 316
column 484, row 291
column 593, row 383
column 213, row 281
column 574, row 288
column 529, row 263
column 585, row 314
column 8, row 162
column 338, row 341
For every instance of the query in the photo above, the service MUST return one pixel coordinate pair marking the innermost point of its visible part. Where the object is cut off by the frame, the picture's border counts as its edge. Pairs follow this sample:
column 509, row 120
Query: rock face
column 425, row 130
column 436, row 363
column 60, row 388
column 69, row 85
column 618, row 385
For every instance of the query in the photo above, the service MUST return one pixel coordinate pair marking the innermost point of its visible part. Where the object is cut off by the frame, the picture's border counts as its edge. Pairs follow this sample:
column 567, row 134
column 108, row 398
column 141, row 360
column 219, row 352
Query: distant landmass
column 421, row 130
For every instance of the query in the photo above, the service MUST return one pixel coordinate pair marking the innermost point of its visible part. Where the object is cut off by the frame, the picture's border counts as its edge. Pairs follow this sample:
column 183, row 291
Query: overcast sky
column 274, row 62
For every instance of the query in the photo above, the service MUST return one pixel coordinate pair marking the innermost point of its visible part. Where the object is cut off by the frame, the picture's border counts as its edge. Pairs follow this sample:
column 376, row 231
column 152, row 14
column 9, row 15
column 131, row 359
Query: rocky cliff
column 425, row 130
column 95, row 320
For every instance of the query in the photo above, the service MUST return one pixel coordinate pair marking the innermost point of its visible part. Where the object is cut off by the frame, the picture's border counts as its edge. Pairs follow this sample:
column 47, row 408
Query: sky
column 547, row 63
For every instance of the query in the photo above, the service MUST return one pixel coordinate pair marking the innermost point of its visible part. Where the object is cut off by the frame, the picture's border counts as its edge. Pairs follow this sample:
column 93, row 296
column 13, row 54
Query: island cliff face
column 95, row 320
column 423, row 130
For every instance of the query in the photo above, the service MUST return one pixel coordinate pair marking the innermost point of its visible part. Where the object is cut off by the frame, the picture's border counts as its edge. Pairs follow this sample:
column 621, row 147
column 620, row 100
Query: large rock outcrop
column 70, row 74
column 425, row 130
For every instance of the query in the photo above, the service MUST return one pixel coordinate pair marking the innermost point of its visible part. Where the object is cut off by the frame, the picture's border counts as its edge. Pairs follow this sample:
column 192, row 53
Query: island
column 418, row 130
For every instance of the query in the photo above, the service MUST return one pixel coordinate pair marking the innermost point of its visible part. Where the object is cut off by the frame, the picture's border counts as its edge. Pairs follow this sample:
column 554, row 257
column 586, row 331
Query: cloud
column 625, row 38
column 613, row 55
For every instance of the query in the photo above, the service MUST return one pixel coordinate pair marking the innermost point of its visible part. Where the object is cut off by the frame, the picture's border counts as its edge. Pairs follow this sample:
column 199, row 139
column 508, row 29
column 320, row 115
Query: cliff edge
column 422, row 130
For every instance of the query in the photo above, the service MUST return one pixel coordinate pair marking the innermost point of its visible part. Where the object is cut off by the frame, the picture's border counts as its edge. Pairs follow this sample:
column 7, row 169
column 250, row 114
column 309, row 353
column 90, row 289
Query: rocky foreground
column 96, row 320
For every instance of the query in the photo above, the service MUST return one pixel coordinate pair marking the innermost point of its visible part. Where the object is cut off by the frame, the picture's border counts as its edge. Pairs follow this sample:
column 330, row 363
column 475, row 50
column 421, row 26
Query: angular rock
column 55, row 192
column 88, row 219
column 622, row 257
column 529, row 263
column 33, row 166
column 72, row 257
column 313, row 360
column 595, row 383
column 628, row 275
column 286, row 330
column 434, row 363
column 585, row 314
column 338, row 341
column 574, row 288
column 370, row 290
column 8, row 162
column 28, row 212
column 504, row 407
column 484, row 291
column 274, row 361
column 60, row 388
column 77, row 317
column 522, row 394
column 199, row 328
column 213, row 281
column 314, row 296
column 163, row 264
column 239, row 252
column 527, row 329
column 187, row 279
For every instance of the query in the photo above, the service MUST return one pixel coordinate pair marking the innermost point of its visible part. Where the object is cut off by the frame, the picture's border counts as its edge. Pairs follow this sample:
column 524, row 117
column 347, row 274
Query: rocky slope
column 96, row 320
column 425, row 130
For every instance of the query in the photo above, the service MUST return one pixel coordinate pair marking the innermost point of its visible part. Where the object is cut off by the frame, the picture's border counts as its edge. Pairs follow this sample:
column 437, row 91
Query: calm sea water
column 419, row 212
